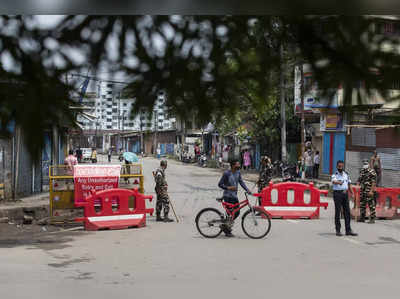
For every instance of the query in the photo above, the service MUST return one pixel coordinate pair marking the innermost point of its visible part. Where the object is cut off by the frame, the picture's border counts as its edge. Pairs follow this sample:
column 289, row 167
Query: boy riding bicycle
column 229, row 182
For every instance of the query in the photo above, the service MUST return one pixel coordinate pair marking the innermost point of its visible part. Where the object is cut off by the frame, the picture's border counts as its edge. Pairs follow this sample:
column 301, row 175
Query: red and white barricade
column 387, row 203
column 114, row 209
column 291, row 200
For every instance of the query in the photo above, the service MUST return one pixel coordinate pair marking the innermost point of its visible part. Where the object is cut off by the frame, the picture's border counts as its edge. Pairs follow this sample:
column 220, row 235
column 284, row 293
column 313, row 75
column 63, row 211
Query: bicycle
column 214, row 220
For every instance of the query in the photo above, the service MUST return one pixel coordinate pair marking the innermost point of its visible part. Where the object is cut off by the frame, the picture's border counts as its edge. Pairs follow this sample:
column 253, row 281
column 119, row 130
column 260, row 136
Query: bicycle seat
column 220, row 199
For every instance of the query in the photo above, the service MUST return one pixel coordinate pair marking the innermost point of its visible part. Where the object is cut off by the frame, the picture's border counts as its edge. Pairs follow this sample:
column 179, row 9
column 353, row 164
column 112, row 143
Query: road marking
column 292, row 221
column 352, row 241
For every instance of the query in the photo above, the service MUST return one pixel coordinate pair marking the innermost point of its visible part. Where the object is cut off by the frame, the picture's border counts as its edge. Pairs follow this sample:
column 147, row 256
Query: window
column 109, row 92
column 109, row 85
column 396, row 85
column 109, row 127
column 114, row 110
column 125, row 104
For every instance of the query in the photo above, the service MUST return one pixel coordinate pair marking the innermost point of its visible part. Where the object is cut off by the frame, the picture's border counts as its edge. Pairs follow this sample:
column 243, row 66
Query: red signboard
column 94, row 177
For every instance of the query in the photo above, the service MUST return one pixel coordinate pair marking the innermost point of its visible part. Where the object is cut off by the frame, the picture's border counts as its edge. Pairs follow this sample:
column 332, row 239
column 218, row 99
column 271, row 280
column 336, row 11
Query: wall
column 6, row 166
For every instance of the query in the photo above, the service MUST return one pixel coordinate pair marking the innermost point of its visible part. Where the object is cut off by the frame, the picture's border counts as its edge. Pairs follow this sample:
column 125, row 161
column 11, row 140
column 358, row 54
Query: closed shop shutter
column 390, row 158
column 390, row 161
column 363, row 137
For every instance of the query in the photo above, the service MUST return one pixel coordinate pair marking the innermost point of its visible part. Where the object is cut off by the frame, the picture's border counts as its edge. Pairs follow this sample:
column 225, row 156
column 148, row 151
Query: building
column 353, row 135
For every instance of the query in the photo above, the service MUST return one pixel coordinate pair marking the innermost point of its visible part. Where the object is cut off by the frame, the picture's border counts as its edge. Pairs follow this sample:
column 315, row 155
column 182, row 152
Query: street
column 301, row 258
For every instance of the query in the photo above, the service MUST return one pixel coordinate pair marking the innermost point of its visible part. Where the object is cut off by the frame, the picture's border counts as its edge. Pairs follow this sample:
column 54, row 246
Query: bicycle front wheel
column 257, row 224
column 209, row 222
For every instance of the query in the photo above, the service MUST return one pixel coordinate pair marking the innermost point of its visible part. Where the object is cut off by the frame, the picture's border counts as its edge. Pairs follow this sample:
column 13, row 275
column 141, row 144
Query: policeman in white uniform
column 341, row 185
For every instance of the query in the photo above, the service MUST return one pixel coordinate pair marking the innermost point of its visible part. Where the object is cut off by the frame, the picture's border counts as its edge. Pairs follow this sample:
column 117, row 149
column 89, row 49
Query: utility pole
column 155, row 130
column 302, row 109
column 141, row 135
column 283, row 105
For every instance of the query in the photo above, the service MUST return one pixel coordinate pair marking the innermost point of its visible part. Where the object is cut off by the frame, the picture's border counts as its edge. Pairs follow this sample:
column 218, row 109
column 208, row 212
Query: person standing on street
column 308, row 160
column 79, row 154
column 316, row 165
column 70, row 161
column 162, row 192
column 109, row 153
column 375, row 164
column 265, row 175
column 341, row 186
column 229, row 183
column 94, row 155
column 158, row 152
column 246, row 159
column 367, row 180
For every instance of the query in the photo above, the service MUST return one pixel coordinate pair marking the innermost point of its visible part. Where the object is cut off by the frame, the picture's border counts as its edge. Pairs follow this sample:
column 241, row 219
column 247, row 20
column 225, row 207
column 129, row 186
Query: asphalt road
column 301, row 259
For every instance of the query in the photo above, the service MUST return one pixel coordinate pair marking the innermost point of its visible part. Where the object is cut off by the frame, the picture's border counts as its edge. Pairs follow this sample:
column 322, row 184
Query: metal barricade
column 61, row 190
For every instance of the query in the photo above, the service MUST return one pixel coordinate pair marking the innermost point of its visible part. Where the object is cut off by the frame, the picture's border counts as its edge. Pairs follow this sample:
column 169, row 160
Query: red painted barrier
column 300, row 205
column 387, row 203
column 114, row 209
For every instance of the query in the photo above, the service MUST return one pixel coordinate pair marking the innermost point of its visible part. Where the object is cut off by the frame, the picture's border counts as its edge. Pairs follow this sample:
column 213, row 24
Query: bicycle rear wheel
column 256, row 225
column 208, row 222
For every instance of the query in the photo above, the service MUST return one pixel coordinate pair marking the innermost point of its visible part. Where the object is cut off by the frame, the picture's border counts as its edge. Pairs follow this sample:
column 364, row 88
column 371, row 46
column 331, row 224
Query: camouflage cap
column 163, row 163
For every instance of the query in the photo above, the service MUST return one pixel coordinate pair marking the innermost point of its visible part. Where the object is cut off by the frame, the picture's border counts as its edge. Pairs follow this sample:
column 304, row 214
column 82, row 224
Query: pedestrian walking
column 161, row 189
column 341, row 186
column 246, row 159
column 367, row 181
column 94, row 155
column 109, row 153
column 316, row 165
column 229, row 183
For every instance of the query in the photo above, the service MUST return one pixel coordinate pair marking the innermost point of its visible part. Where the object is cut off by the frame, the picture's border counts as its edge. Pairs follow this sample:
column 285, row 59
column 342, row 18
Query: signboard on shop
column 313, row 98
column 332, row 121
column 94, row 177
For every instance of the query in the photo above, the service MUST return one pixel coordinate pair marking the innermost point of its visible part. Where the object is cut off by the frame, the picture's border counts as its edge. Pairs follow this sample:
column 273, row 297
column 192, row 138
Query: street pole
column 283, row 106
column 302, row 110
column 155, row 131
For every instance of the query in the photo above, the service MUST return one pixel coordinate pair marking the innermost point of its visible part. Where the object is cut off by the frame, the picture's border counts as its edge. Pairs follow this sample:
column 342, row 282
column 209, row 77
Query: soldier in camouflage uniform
column 367, row 181
column 265, row 173
column 162, row 192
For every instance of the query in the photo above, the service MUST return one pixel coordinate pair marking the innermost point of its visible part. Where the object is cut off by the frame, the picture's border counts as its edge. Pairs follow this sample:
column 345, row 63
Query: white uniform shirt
column 316, row 159
column 341, row 177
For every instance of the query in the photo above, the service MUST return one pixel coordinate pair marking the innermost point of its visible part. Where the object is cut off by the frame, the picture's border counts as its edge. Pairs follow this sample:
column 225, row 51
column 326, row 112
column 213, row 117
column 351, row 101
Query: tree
column 201, row 61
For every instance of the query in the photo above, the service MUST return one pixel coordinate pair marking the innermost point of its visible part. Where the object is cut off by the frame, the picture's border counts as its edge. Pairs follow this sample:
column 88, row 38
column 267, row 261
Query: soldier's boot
column 158, row 218
column 371, row 220
column 167, row 219
column 362, row 218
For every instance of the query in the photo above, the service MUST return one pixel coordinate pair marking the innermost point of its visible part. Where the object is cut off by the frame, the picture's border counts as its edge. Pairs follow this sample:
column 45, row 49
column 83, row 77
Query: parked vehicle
column 86, row 154
column 287, row 172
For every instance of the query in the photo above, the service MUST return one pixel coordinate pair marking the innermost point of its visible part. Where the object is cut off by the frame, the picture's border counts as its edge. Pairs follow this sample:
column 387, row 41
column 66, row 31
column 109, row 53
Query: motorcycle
column 202, row 160
column 287, row 172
